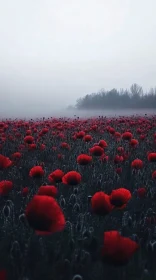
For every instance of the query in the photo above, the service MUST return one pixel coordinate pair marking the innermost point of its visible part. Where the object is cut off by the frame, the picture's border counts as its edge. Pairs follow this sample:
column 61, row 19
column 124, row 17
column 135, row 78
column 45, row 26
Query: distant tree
column 136, row 90
column 135, row 98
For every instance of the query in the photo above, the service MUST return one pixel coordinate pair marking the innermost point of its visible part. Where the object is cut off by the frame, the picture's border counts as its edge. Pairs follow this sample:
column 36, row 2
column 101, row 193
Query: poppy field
column 78, row 198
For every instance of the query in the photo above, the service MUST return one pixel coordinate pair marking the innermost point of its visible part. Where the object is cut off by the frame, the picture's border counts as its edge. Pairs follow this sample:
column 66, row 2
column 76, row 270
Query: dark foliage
column 75, row 252
column 114, row 99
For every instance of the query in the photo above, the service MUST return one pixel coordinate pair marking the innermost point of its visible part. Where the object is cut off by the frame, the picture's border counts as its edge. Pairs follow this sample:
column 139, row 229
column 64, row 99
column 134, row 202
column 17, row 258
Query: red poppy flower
column 87, row 138
column 94, row 127
column 44, row 215
column 84, row 159
column 80, row 134
column 71, row 178
column 32, row 147
column 42, row 147
column 56, row 176
column 29, row 139
column 103, row 144
column 112, row 130
column 5, row 162
column 134, row 142
column 60, row 156
column 120, row 150
column 36, row 171
column 5, row 187
column 21, row 147
column 152, row 157
column 25, row 191
column 96, row 151
column 118, row 170
column 142, row 136
column 127, row 135
column 120, row 197
column 117, row 250
column 16, row 155
column 28, row 132
column 100, row 204
column 117, row 135
column 48, row 190
column 45, row 130
column 118, row 159
column 137, row 164
column 126, row 156
column 65, row 145
column 141, row 192
column 154, row 175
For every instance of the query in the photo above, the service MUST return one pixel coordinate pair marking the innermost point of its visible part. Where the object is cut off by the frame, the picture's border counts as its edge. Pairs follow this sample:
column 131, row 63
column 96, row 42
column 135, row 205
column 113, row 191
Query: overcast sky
column 55, row 51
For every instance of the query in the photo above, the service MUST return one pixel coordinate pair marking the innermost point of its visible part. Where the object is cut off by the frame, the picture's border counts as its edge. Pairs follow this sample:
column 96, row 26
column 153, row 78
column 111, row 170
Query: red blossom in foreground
column 103, row 144
column 152, row 157
column 112, row 130
column 28, row 132
column 44, row 130
column 29, row 139
column 71, row 178
column 96, row 151
column 134, row 142
column 84, row 159
column 5, row 187
column 56, row 176
column 117, row 135
column 137, row 164
column 120, row 197
column 36, row 171
column 87, row 138
column 48, row 190
column 117, row 250
column 5, row 162
column 127, row 135
column 100, row 204
column 44, row 215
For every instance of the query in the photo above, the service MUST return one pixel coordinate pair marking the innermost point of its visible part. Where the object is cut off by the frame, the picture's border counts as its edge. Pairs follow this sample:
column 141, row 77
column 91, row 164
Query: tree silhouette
column 114, row 99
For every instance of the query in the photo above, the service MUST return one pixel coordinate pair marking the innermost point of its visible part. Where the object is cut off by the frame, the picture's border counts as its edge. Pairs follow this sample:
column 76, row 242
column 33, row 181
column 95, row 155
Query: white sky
column 55, row 51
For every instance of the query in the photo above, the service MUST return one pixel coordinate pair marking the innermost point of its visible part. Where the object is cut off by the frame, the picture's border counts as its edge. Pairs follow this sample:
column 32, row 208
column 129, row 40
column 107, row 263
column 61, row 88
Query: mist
column 74, row 113
column 54, row 52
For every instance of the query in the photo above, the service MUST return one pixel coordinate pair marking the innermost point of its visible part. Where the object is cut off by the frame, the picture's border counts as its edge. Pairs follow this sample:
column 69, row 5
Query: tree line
column 117, row 99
